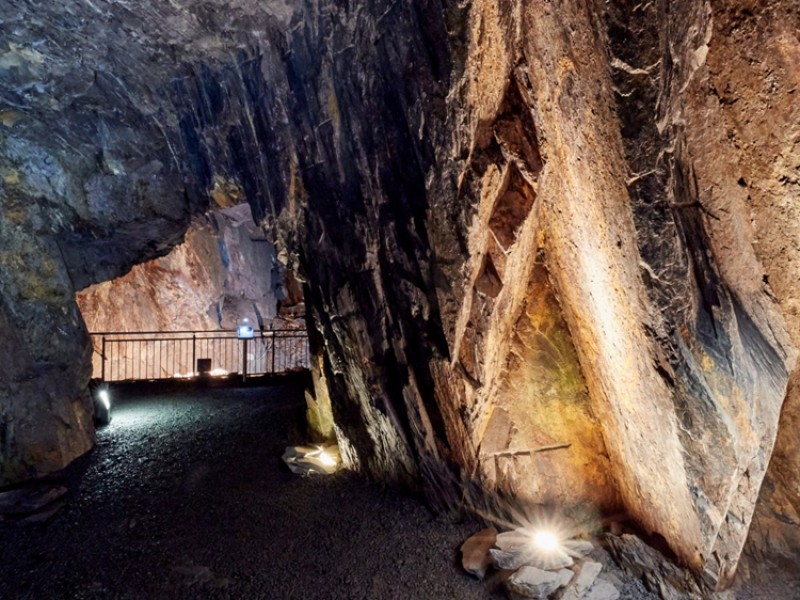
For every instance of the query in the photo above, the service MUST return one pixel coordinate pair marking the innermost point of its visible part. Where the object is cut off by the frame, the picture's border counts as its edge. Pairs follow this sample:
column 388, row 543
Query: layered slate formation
column 547, row 248
column 223, row 272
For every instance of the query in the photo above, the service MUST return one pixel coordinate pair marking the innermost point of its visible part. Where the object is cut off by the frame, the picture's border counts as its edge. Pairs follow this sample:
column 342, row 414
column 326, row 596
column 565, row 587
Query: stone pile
column 538, row 565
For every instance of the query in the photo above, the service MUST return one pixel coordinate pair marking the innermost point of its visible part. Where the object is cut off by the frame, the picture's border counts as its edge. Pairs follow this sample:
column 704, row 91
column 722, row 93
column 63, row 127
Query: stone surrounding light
column 308, row 460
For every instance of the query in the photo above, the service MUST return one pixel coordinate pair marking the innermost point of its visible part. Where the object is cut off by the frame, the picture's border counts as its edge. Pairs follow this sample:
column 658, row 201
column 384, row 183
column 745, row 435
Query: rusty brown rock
column 475, row 557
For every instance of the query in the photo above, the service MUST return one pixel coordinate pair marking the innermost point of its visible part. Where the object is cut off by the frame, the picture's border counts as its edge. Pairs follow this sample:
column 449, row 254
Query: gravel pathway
column 185, row 496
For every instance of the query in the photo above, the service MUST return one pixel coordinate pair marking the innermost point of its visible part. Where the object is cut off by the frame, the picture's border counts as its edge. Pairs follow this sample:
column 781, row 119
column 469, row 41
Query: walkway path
column 186, row 497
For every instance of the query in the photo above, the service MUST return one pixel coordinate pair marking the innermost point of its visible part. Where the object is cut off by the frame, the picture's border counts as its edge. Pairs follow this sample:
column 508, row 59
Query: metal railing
column 151, row 355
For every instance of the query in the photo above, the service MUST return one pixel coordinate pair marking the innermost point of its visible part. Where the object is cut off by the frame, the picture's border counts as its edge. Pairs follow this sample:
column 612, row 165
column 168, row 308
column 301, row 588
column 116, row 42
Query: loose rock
column 531, row 582
column 513, row 541
column 578, row 548
column 550, row 561
column 310, row 460
column 602, row 590
column 30, row 499
column 586, row 577
column 475, row 557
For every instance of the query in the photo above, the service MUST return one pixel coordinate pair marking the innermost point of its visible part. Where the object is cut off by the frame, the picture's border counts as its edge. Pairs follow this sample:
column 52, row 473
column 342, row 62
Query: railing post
column 273, row 352
column 194, row 353
column 103, row 360
column 244, row 359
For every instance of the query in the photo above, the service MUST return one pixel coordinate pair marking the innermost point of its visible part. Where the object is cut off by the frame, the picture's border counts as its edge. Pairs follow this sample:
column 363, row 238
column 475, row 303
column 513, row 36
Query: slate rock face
column 543, row 246
column 223, row 272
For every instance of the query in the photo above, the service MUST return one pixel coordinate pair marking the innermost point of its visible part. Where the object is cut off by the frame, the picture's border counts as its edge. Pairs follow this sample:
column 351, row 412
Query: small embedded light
column 105, row 398
column 546, row 541
column 218, row 372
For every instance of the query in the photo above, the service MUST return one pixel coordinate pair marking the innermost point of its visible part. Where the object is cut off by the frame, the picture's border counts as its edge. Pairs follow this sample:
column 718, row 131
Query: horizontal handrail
column 265, row 334
column 301, row 330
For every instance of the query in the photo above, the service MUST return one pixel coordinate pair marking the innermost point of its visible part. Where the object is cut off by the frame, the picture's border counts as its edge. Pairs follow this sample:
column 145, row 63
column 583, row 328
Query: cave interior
column 546, row 254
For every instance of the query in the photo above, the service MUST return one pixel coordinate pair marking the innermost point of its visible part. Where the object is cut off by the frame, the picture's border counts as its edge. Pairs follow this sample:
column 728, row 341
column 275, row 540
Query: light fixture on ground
column 310, row 460
column 102, row 406
column 325, row 457
column 105, row 398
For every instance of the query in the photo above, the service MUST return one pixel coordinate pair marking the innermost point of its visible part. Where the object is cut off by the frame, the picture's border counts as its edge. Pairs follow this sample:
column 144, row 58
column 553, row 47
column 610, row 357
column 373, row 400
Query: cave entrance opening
column 176, row 317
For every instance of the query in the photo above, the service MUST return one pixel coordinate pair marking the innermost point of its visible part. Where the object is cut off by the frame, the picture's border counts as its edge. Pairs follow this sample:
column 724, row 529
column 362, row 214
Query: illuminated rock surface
column 545, row 247
column 223, row 272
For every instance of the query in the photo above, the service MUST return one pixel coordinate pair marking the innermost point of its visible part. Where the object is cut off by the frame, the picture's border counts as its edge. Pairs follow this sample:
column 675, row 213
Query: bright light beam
column 546, row 541
column 325, row 458
column 105, row 398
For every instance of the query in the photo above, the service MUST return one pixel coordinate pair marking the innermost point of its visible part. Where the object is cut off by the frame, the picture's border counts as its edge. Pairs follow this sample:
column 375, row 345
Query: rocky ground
column 185, row 496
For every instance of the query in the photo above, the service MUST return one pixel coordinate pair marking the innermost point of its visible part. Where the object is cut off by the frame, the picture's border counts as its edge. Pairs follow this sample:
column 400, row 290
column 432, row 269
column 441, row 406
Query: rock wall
column 223, row 271
column 546, row 247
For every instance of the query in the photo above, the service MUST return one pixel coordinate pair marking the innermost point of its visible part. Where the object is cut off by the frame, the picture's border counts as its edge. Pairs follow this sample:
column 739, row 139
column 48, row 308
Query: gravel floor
column 185, row 496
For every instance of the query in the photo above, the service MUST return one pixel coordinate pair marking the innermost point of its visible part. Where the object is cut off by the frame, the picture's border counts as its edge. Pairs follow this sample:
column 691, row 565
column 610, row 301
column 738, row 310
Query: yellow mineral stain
column 541, row 429
column 10, row 117
column 226, row 193
column 334, row 113
column 11, row 177
column 565, row 66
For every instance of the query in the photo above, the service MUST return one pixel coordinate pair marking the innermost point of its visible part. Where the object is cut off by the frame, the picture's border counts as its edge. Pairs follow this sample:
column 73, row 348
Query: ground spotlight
column 545, row 541
column 325, row 458
column 102, row 406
